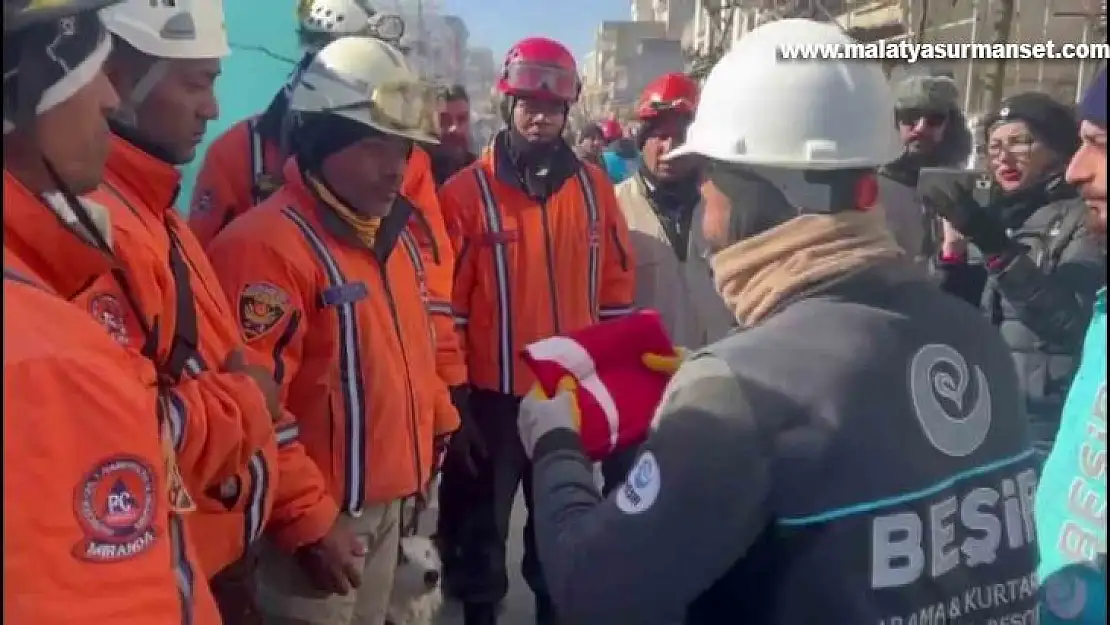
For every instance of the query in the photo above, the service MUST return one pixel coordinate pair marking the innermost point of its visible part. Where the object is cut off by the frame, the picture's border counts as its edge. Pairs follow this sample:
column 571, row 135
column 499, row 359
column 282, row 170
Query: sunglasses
column 911, row 117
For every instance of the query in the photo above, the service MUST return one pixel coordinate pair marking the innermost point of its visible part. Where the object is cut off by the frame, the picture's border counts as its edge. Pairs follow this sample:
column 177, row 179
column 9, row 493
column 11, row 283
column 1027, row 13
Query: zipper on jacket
column 408, row 376
column 549, row 250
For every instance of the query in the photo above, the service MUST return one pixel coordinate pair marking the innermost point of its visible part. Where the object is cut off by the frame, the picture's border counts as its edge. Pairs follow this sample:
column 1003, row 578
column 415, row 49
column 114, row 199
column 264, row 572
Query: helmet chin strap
column 128, row 111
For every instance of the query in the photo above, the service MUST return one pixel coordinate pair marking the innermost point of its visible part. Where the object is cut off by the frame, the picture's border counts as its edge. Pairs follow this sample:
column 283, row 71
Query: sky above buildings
column 498, row 24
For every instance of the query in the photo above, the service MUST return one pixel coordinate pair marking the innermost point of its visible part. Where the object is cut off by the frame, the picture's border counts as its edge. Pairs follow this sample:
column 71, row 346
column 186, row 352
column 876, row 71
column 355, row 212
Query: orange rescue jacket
column 419, row 187
column 89, row 533
column 344, row 329
column 239, row 171
column 181, row 297
column 526, row 271
column 215, row 442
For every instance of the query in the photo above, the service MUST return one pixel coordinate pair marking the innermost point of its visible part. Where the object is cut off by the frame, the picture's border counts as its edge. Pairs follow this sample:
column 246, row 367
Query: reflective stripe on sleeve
column 287, row 434
column 612, row 312
column 183, row 569
column 255, row 514
column 258, row 160
column 176, row 415
column 593, row 264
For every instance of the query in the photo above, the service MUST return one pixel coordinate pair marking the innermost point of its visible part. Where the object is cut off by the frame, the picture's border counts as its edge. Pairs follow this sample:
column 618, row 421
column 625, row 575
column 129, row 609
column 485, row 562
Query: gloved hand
column 233, row 589
column 466, row 446
column 665, row 364
column 980, row 225
column 540, row 414
column 333, row 564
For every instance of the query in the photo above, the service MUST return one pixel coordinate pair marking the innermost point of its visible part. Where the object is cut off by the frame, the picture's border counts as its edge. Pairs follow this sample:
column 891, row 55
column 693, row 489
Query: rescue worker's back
column 955, row 518
column 857, row 454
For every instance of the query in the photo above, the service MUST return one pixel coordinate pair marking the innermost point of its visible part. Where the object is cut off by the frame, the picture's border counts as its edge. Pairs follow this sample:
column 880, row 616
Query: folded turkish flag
column 617, row 393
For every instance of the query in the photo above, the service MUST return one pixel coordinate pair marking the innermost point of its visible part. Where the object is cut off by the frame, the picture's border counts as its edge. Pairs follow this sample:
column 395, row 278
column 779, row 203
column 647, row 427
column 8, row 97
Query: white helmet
column 368, row 81
column 187, row 29
column 759, row 109
column 331, row 19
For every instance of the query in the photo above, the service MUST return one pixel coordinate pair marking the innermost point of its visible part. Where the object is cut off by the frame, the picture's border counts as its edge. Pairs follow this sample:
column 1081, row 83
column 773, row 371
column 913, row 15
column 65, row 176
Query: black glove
column 465, row 447
column 985, row 230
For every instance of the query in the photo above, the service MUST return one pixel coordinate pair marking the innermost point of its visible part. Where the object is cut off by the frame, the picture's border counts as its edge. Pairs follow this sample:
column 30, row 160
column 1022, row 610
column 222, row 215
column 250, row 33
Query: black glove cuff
column 460, row 399
column 558, row 439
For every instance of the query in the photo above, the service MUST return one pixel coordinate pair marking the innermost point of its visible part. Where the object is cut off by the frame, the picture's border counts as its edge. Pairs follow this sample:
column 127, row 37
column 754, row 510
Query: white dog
column 416, row 597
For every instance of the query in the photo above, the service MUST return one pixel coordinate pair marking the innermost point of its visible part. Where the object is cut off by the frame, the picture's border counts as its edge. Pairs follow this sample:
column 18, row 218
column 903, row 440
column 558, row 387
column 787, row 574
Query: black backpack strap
column 184, row 355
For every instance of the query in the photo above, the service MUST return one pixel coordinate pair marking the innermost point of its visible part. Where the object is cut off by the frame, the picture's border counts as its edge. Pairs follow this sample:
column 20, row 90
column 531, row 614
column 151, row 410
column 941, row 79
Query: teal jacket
column 1070, row 507
column 618, row 167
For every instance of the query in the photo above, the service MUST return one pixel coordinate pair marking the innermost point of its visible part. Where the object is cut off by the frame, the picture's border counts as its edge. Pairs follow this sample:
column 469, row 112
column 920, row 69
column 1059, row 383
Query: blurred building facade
column 629, row 54
column 480, row 78
column 678, row 15
column 718, row 23
column 615, row 79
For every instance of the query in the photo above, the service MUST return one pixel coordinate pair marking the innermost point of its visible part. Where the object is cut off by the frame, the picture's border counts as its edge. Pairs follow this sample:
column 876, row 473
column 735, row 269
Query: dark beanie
column 319, row 135
column 1051, row 122
column 1093, row 107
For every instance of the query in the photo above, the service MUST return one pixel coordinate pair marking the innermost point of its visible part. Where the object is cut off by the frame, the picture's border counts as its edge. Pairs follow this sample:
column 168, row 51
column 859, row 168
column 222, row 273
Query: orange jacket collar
column 294, row 181
column 153, row 181
column 49, row 248
column 392, row 224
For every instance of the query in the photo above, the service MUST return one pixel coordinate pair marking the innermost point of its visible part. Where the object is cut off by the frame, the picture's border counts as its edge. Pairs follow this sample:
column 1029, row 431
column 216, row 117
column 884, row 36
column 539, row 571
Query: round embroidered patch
column 107, row 309
column 115, row 506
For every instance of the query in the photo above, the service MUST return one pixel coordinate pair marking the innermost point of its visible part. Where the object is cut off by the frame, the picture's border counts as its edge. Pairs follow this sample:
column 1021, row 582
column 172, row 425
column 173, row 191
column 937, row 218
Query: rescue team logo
column 106, row 309
column 115, row 507
column 641, row 489
column 261, row 307
column 202, row 201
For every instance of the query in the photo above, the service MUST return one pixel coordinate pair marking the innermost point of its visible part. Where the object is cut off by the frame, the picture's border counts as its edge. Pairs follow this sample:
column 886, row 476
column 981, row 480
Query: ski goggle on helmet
column 367, row 80
column 540, row 68
column 322, row 21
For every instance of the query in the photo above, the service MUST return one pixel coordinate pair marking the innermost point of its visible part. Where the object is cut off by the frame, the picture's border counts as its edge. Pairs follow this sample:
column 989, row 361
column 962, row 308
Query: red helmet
column 610, row 130
column 670, row 92
column 540, row 67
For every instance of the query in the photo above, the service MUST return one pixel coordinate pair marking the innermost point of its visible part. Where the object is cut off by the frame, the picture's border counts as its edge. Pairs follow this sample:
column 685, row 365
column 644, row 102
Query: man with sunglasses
column 542, row 250
column 329, row 285
column 934, row 134
column 453, row 152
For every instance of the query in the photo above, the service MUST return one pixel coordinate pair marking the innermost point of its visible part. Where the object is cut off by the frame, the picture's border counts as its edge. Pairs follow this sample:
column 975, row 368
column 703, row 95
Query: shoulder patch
column 110, row 313
column 261, row 307
column 116, row 506
column 202, row 201
column 641, row 488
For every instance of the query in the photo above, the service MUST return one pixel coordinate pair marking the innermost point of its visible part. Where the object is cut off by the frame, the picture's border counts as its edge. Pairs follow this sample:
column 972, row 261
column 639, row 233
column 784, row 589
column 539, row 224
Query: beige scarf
column 759, row 275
